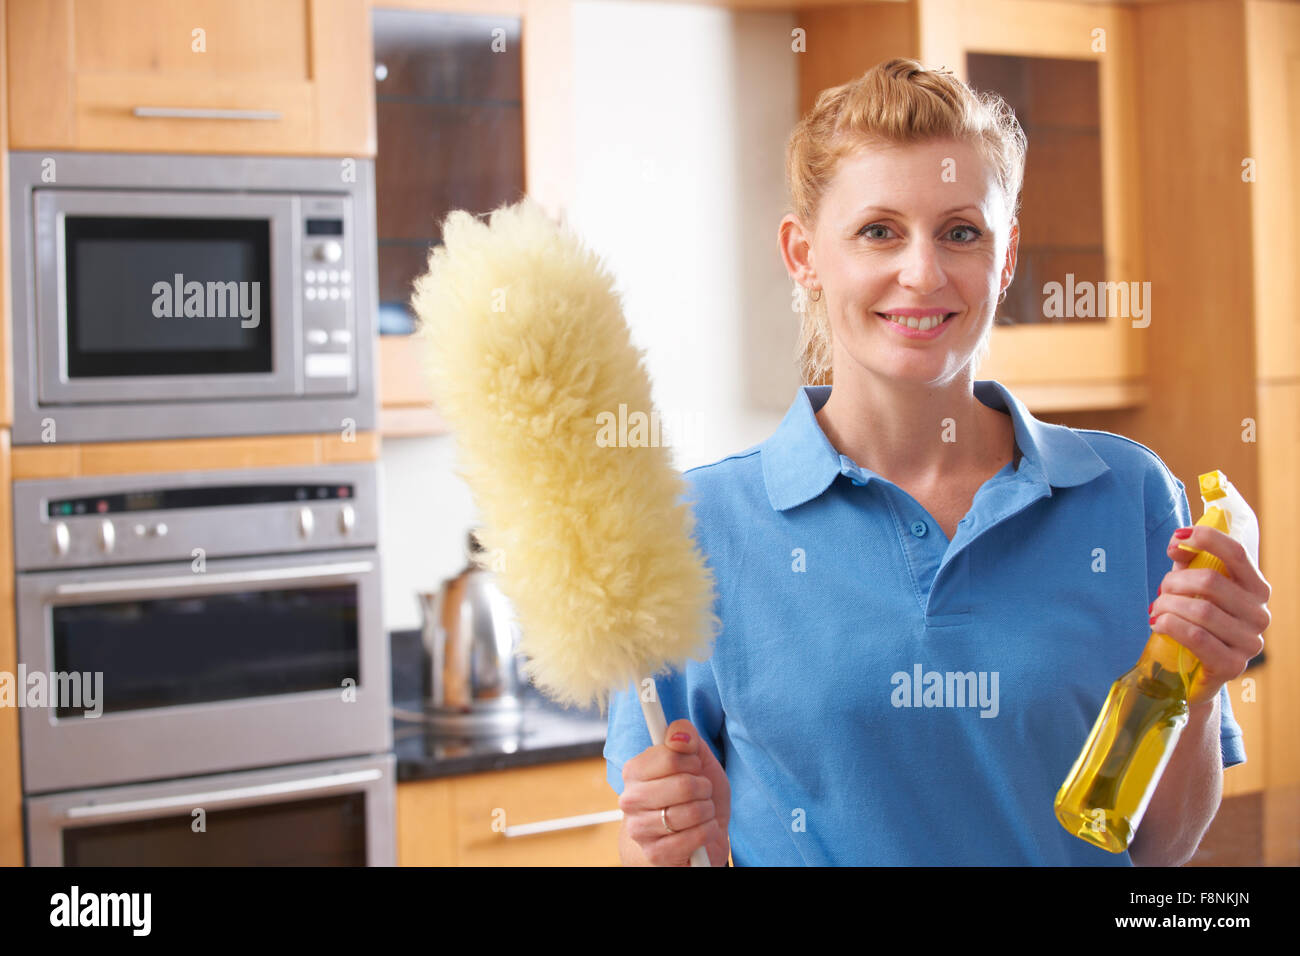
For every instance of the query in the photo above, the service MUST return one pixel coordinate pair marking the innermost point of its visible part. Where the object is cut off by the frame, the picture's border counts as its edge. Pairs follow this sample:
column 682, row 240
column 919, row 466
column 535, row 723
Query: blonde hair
column 895, row 102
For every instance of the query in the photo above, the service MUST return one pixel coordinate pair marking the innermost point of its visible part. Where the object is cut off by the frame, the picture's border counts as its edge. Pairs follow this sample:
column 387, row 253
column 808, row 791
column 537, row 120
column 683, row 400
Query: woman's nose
column 920, row 270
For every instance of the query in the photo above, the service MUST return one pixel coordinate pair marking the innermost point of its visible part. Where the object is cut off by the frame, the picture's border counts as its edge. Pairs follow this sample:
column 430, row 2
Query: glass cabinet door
column 449, row 116
column 1071, row 333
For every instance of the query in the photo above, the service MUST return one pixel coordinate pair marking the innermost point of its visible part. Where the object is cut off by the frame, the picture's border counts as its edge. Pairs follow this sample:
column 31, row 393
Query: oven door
column 337, row 813
column 170, row 670
column 144, row 296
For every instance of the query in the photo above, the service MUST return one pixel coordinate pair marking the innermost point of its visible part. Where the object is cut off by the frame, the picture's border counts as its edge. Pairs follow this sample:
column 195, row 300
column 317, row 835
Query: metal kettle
column 473, row 677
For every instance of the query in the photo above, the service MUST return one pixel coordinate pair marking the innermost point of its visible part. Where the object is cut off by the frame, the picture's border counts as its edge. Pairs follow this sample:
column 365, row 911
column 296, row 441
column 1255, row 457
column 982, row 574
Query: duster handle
column 657, row 724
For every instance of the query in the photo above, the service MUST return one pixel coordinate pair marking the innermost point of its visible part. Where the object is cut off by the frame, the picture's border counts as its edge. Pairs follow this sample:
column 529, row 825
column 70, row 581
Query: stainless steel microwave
column 160, row 296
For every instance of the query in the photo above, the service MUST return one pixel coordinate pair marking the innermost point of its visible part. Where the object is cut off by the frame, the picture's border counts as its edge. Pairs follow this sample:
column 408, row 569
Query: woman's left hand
column 1219, row 619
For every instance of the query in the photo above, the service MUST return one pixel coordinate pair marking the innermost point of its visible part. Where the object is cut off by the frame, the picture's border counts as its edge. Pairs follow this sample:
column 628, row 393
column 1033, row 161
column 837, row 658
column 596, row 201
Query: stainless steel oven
column 335, row 813
column 229, row 619
column 180, row 296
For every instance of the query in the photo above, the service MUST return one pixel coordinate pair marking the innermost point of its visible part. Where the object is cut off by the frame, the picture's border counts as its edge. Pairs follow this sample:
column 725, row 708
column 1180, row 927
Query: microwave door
column 162, row 297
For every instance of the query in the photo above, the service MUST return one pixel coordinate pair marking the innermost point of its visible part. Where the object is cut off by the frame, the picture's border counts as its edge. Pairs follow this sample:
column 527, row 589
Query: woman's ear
column 1009, row 265
column 796, row 251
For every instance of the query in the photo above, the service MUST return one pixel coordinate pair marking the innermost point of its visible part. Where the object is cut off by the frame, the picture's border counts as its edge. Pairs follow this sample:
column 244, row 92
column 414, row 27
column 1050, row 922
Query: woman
column 917, row 629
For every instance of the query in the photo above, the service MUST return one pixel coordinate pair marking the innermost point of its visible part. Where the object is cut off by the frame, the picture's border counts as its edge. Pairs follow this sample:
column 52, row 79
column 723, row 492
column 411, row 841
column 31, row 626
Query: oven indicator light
column 343, row 491
column 101, row 506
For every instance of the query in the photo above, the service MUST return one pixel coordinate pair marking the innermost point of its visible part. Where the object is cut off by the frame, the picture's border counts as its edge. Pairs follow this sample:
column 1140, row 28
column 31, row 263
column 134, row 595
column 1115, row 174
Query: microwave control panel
column 327, row 268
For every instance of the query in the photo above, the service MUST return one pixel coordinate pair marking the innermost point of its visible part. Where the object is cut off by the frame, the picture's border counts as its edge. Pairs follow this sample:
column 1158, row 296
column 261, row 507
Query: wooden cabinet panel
column 6, row 312
column 81, row 69
column 1273, row 37
column 458, row 821
column 190, row 454
column 251, row 39
column 1279, row 513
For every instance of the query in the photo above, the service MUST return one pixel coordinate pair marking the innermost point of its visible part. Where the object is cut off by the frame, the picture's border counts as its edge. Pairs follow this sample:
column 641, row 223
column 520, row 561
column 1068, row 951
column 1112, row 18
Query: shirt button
column 919, row 528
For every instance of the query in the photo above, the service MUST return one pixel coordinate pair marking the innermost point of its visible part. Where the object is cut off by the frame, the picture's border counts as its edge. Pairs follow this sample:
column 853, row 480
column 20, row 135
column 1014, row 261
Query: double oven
column 225, row 631
column 210, row 642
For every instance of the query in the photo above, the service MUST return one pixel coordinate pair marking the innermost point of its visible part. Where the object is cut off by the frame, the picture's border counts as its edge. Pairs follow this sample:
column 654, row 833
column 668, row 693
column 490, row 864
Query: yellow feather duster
column 529, row 356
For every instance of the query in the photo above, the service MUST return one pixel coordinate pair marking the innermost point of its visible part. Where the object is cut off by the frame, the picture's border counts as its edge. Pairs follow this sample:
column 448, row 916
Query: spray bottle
column 1106, row 794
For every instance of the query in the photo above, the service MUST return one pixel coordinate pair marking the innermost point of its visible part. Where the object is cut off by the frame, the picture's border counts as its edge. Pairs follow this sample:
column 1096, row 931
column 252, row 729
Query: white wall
column 680, row 119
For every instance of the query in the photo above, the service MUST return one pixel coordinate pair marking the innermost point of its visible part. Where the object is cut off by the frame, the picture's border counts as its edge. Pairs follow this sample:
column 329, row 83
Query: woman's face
column 918, row 232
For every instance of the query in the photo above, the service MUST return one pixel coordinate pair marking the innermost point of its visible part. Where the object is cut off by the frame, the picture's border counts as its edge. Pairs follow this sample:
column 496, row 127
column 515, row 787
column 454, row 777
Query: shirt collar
column 799, row 462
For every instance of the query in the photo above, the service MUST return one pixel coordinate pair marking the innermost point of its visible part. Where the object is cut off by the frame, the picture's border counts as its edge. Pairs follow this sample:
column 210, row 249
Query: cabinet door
column 449, row 106
column 1077, row 311
column 212, row 76
column 561, row 814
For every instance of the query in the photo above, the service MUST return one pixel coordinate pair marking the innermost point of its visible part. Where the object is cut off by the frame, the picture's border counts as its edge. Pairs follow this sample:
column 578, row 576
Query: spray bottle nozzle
column 1212, row 483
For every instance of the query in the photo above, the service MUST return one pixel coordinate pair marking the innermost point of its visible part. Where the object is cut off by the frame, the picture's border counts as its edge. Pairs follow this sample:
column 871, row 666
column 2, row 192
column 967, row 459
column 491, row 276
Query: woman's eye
column 973, row 233
column 874, row 231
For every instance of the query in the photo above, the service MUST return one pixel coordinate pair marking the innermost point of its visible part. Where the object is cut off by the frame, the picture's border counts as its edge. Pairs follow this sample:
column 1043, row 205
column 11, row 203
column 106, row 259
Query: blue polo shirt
column 881, row 695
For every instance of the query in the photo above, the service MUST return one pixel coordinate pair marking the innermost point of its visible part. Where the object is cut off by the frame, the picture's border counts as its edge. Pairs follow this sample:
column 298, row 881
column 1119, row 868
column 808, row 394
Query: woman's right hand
column 684, row 777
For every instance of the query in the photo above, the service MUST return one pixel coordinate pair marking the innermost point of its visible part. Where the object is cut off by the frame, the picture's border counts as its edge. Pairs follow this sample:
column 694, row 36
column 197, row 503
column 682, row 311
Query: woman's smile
column 917, row 324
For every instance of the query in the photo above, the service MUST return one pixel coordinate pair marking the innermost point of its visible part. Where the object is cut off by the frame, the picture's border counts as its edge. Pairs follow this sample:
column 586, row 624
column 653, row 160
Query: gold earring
column 817, row 297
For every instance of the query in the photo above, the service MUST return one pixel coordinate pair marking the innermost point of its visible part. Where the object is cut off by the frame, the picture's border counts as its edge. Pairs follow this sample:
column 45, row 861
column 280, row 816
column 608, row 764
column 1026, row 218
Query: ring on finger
column 663, row 815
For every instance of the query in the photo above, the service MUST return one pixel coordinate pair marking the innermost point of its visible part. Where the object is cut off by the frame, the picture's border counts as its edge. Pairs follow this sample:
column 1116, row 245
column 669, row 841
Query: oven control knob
column 62, row 540
column 160, row 529
column 347, row 519
column 329, row 252
column 305, row 522
column 107, row 536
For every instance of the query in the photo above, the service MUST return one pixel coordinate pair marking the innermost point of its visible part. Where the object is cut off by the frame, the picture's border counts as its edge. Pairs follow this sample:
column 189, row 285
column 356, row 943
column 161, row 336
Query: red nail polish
column 1153, row 618
column 1150, row 606
column 1183, row 533
column 684, row 738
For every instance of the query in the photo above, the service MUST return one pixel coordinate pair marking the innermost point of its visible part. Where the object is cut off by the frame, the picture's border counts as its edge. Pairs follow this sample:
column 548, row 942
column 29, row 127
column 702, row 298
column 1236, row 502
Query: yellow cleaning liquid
column 1107, row 792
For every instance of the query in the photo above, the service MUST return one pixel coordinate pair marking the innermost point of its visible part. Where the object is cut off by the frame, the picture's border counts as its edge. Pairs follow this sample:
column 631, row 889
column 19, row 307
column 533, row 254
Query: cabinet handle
column 564, row 823
column 187, row 112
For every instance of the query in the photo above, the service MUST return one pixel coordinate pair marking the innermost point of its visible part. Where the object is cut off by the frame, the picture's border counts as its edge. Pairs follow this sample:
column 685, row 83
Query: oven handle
column 205, row 580
column 563, row 823
column 186, row 112
column 234, row 796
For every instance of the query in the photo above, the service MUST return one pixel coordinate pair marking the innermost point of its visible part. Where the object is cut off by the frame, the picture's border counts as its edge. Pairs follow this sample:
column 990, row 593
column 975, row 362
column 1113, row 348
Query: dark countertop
column 550, row 733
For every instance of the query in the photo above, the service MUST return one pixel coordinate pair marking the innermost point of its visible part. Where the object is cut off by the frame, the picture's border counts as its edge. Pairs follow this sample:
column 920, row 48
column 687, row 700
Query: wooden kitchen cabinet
column 477, row 136
column 290, row 77
column 1070, row 71
column 458, row 821
column 1080, row 209
column 449, row 117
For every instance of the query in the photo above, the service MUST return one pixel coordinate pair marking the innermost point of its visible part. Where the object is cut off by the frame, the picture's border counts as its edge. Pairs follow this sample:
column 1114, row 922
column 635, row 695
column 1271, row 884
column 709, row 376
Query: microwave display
column 167, row 296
